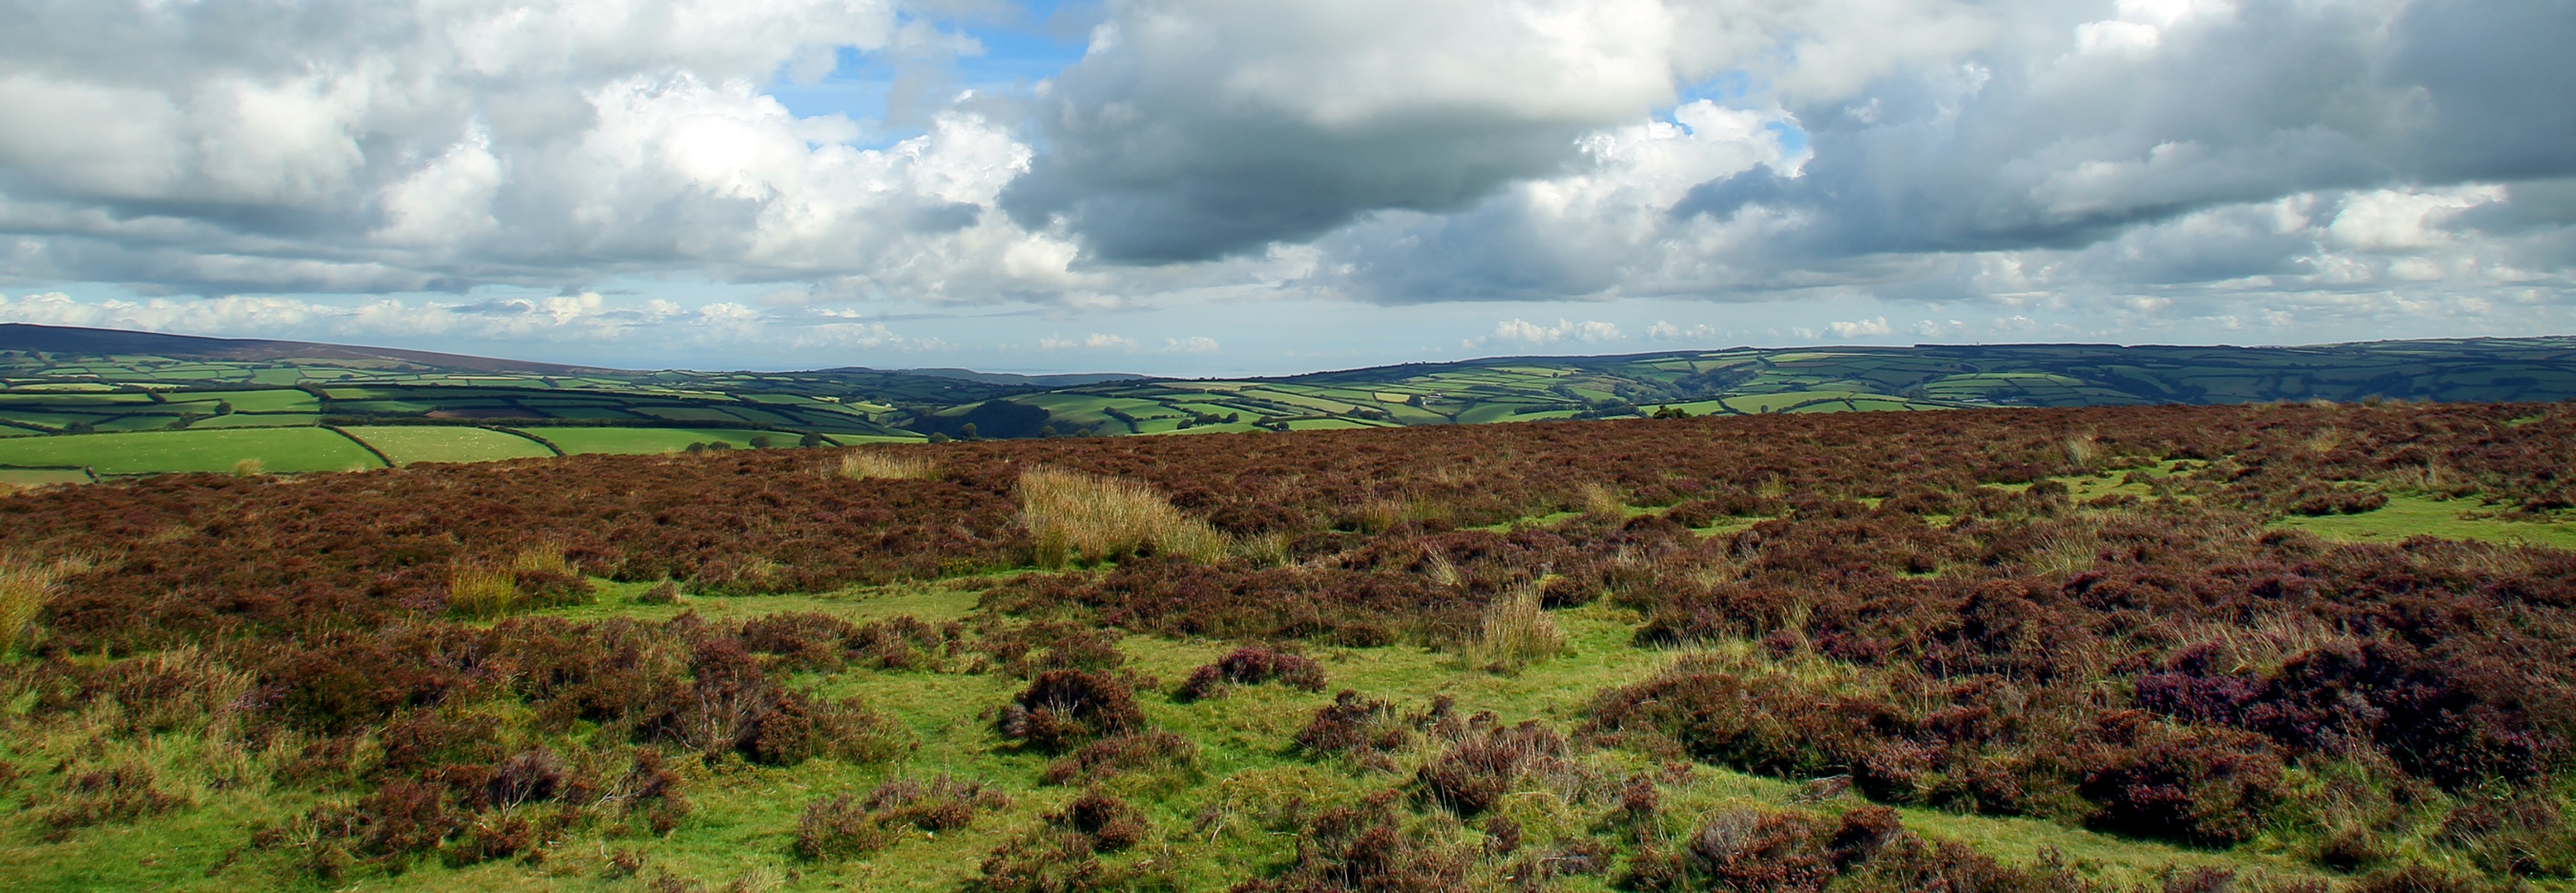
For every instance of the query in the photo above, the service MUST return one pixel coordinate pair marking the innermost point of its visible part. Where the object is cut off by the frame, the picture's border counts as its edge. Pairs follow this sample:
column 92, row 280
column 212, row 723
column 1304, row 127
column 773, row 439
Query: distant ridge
column 80, row 340
column 1062, row 380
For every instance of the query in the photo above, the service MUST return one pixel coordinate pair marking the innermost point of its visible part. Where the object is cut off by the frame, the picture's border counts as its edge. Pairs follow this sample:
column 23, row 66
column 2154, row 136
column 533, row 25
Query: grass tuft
column 249, row 468
column 1516, row 632
column 1077, row 517
column 481, row 592
column 24, row 585
column 864, row 464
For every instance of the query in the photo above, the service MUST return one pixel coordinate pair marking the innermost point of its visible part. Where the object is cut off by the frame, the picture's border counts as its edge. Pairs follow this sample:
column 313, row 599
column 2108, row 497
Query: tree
column 760, row 441
column 967, row 431
column 936, row 437
column 811, row 440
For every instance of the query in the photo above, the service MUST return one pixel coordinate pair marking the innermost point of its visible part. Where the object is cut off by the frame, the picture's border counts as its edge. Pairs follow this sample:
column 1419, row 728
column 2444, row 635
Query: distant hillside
column 1745, row 381
column 116, row 342
column 58, row 382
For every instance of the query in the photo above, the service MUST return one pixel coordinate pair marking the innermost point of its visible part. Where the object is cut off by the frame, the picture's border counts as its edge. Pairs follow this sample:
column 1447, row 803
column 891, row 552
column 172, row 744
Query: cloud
column 2100, row 169
column 1195, row 130
column 1526, row 332
column 1093, row 341
column 1193, row 344
column 332, row 147
column 1866, row 328
column 585, row 319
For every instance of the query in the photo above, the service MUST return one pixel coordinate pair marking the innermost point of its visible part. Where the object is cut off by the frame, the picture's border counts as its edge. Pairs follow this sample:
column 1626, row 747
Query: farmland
column 2281, row 647
column 52, row 384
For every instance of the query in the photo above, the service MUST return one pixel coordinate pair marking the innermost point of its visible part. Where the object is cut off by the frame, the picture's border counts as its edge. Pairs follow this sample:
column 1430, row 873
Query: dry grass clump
column 24, row 584
column 249, row 468
column 2082, row 450
column 538, row 576
column 864, row 464
column 1515, row 633
column 1603, row 501
column 1076, row 516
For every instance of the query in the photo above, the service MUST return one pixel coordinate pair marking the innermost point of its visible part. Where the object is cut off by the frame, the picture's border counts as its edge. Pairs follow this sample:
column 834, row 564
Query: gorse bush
column 1075, row 517
column 865, row 464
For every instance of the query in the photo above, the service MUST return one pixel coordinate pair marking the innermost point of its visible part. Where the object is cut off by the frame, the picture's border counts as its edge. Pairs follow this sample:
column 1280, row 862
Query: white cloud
column 1193, row 344
column 1093, row 341
column 1866, row 328
column 1526, row 332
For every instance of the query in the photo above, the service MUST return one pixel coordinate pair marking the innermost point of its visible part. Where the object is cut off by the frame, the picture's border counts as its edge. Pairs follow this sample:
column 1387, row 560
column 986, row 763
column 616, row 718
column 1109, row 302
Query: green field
column 280, row 450
column 577, row 441
column 407, row 444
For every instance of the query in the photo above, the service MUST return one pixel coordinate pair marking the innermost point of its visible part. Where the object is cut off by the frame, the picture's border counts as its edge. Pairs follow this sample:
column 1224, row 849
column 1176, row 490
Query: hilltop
column 148, row 403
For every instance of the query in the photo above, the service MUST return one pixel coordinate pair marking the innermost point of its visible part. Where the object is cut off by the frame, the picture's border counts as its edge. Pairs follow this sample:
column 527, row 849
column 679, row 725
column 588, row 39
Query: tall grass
column 2082, row 450
column 1604, row 501
column 24, row 584
column 864, row 464
column 1078, row 517
column 1515, row 633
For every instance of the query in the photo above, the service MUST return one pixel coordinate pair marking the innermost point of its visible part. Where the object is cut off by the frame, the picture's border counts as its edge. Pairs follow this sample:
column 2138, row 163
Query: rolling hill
column 68, row 382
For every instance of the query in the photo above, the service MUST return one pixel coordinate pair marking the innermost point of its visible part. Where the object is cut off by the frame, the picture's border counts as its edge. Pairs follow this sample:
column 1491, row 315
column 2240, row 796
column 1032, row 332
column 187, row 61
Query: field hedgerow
column 1076, row 516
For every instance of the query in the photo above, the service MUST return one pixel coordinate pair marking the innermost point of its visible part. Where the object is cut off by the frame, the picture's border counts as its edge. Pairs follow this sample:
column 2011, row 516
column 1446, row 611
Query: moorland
column 2305, row 646
column 88, row 404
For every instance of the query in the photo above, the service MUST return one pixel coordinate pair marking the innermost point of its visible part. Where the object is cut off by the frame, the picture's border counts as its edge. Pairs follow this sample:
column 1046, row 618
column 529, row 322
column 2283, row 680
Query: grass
column 1515, row 633
column 408, row 444
column 2406, row 516
column 1083, row 517
column 577, row 441
column 24, row 585
column 1209, row 828
column 281, row 450
column 864, row 464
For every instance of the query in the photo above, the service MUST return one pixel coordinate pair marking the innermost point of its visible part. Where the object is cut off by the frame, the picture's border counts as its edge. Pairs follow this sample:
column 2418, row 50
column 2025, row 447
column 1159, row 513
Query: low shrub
column 1253, row 665
column 1155, row 752
column 1064, row 708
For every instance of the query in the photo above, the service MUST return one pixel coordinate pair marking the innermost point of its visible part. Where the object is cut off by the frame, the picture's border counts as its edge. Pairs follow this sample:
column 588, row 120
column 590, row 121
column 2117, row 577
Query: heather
column 2163, row 648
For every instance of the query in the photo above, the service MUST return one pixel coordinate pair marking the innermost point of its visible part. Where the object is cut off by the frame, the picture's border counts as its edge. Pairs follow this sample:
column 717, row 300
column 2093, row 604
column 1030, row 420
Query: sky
column 1229, row 187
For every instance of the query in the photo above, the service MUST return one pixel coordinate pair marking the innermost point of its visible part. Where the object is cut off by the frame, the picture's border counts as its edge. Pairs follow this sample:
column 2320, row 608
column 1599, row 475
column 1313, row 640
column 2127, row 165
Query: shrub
column 1150, row 752
column 838, row 827
column 864, row 464
column 120, row 792
column 1076, row 516
column 1253, row 665
column 1063, row 708
column 1473, row 774
column 1356, row 726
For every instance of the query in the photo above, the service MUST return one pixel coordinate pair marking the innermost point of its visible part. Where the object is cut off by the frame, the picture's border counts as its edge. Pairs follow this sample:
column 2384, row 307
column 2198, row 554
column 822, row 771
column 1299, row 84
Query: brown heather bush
column 846, row 825
column 1156, row 753
column 865, row 464
column 1075, row 516
column 1252, row 665
column 1064, row 708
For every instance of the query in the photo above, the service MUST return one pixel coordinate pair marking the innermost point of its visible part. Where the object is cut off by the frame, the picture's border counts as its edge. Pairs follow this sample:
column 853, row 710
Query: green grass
column 2406, row 516
column 279, row 450
column 407, row 444
column 576, row 441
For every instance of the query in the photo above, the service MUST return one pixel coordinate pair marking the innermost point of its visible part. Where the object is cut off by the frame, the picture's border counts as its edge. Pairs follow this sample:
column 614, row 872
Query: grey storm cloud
column 1195, row 130
column 2059, row 143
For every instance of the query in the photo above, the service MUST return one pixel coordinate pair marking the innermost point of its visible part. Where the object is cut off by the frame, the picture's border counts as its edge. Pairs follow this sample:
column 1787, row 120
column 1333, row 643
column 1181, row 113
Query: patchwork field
column 2274, row 649
column 407, row 444
column 279, row 450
